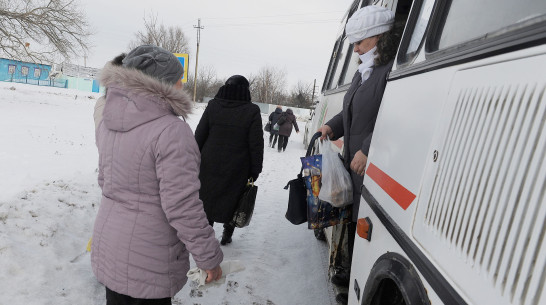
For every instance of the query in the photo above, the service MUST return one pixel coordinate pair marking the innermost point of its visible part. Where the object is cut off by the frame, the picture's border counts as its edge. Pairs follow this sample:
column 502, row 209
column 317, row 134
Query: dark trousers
column 273, row 137
column 351, row 234
column 227, row 227
column 283, row 141
column 114, row 298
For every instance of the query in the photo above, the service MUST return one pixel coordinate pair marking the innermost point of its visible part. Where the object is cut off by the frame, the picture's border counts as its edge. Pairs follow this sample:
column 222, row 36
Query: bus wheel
column 394, row 280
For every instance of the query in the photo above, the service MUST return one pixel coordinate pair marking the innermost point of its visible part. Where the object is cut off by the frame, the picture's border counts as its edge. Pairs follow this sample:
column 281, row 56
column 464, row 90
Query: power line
column 301, row 22
column 275, row 16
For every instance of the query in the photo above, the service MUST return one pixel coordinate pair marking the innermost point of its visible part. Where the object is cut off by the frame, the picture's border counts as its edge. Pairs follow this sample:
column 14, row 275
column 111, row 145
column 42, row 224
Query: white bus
column 453, row 208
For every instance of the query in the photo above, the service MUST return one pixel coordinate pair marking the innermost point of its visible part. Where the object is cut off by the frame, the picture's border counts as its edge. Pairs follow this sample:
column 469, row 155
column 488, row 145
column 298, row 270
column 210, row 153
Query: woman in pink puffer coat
column 150, row 218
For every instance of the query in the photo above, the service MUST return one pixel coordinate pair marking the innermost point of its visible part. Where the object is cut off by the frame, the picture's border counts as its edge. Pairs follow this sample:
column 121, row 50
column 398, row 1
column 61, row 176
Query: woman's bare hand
column 213, row 274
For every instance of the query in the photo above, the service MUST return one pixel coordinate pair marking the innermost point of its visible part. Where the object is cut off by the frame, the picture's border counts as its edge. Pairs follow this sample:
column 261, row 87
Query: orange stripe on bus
column 395, row 190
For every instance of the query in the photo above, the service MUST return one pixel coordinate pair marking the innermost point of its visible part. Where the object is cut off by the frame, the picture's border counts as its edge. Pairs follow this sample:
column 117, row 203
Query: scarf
column 366, row 67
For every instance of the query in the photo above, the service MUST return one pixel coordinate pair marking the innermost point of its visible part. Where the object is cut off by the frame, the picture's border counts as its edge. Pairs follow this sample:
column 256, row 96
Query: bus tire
column 394, row 280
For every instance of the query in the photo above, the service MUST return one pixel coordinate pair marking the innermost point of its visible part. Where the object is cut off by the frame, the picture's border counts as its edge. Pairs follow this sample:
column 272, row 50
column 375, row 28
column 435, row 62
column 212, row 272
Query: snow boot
column 342, row 298
column 226, row 235
column 341, row 278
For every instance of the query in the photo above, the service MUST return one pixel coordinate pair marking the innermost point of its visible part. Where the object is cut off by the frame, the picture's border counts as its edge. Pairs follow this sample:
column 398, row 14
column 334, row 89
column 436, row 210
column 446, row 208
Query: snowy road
column 49, row 198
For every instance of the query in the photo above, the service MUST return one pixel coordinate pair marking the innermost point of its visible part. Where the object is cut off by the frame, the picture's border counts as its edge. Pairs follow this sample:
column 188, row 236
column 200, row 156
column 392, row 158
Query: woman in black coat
column 273, row 118
column 230, row 139
column 286, row 121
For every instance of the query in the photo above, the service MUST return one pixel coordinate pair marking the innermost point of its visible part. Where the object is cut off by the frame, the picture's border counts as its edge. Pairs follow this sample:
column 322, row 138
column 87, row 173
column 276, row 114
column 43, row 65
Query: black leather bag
column 297, row 201
column 245, row 207
column 267, row 127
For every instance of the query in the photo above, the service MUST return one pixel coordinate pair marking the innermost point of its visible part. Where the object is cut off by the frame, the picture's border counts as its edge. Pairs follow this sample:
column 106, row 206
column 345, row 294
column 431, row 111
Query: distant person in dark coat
column 286, row 121
column 273, row 118
column 230, row 138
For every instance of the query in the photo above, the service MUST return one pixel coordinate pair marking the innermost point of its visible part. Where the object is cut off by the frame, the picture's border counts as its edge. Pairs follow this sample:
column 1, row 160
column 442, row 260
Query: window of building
column 37, row 72
column 11, row 69
column 24, row 70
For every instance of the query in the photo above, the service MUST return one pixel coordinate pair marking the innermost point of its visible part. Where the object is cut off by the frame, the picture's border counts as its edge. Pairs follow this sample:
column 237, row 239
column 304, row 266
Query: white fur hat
column 369, row 21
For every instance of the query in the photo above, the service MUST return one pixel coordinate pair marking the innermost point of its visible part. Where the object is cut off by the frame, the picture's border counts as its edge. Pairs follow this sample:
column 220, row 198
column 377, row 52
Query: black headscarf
column 236, row 88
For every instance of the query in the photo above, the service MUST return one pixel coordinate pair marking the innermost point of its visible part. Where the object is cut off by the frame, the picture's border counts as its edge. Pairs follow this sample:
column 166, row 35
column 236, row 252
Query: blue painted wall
column 12, row 70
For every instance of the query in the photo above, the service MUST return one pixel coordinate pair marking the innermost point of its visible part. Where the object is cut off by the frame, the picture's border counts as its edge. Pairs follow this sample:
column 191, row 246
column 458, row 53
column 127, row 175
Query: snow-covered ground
column 49, row 197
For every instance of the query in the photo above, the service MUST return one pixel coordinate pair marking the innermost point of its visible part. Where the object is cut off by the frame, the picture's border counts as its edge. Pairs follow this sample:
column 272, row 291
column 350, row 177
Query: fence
column 40, row 82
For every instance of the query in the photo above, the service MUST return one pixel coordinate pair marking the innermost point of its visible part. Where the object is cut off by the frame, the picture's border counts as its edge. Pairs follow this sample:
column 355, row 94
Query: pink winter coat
column 150, row 217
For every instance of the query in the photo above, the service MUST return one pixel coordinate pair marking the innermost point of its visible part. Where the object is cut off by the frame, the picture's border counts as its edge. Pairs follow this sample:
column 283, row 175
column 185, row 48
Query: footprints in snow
column 232, row 287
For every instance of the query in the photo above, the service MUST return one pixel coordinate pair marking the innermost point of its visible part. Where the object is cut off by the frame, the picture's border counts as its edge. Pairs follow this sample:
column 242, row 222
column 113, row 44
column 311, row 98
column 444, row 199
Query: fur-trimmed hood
column 134, row 98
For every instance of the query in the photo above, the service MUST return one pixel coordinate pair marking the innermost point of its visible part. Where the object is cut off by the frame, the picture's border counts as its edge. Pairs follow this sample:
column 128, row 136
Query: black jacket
column 273, row 118
column 230, row 139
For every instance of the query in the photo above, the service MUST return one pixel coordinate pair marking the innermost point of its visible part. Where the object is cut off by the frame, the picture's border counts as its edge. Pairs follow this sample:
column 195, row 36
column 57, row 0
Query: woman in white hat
column 374, row 37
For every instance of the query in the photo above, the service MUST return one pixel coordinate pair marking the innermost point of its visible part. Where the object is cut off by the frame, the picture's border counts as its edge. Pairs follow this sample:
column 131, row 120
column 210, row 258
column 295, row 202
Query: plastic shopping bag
column 320, row 214
column 337, row 187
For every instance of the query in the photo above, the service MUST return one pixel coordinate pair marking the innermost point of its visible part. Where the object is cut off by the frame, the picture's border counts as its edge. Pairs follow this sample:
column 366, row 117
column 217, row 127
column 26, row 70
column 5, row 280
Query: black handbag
column 297, row 201
column 268, row 127
column 245, row 206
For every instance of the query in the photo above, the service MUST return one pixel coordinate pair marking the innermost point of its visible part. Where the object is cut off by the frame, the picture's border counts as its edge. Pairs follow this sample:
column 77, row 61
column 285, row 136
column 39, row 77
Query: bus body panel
column 454, row 111
column 458, row 164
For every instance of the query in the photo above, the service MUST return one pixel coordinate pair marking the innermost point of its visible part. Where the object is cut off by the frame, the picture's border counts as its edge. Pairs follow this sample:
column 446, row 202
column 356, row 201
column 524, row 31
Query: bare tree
column 170, row 38
column 207, row 83
column 40, row 30
column 301, row 95
column 268, row 86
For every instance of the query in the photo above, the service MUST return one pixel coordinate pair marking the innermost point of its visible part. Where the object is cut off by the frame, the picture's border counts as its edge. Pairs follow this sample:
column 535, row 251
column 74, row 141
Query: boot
column 341, row 278
column 226, row 235
column 342, row 298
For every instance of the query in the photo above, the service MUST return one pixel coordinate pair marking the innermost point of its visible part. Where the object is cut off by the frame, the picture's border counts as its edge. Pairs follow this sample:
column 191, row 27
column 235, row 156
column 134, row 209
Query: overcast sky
column 239, row 36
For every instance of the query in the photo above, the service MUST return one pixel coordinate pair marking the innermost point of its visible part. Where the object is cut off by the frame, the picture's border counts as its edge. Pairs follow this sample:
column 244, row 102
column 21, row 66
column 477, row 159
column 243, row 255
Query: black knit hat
column 236, row 88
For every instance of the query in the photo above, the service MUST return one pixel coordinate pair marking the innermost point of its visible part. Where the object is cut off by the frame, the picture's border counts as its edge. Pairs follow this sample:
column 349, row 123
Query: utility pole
column 199, row 28
column 313, row 95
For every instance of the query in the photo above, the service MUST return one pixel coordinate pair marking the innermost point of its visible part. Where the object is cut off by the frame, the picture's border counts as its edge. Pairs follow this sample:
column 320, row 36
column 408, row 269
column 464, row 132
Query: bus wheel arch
column 394, row 279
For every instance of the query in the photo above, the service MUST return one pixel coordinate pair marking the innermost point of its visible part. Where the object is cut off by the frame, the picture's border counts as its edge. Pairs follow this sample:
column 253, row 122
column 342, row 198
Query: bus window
column 416, row 27
column 420, row 27
column 340, row 62
column 328, row 78
column 470, row 19
column 351, row 66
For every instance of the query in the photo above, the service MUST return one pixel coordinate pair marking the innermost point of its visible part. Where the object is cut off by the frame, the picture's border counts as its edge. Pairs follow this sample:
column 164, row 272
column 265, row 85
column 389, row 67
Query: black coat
column 289, row 120
column 230, row 139
column 356, row 121
column 273, row 118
